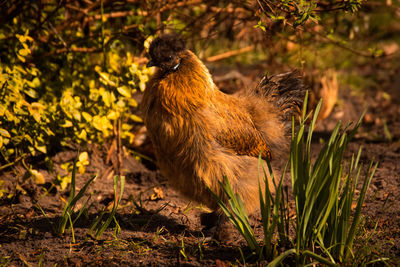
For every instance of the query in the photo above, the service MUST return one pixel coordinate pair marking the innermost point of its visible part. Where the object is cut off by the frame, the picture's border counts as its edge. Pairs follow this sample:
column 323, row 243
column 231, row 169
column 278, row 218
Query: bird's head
column 165, row 52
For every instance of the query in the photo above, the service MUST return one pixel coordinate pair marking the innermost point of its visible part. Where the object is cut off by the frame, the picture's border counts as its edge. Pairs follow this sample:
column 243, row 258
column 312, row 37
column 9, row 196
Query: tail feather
column 286, row 91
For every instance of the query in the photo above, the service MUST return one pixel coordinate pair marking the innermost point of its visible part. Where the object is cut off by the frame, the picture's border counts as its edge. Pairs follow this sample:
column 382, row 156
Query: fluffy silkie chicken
column 201, row 135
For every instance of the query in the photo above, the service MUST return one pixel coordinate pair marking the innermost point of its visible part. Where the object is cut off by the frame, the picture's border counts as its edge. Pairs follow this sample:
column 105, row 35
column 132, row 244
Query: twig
column 180, row 4
column 337, row 43
column 102, row 35
column 119, row 150
column 51, row 14
column 58, row 35
column 118, row 14
column 79, row 9
column 12, row 163
column 230, row 53
column 77, row 50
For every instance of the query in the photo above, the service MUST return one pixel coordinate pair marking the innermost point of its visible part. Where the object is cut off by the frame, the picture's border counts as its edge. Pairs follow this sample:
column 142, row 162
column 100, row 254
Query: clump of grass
column 272, row 218
column 323, row 199
column 67, row 214
column 69, row 206
column 325, row 225
column 236, row 213
column 98, row 225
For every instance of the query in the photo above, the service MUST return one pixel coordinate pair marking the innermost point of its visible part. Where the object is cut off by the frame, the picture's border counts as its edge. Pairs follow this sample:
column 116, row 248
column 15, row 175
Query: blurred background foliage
column 71, row 72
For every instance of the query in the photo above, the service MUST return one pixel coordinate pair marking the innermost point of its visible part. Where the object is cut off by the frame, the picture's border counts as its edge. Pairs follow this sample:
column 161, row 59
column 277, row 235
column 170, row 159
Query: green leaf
column 87, row 116
column 106, row 79
column 41, row 148
column 67, row 124
column 124, row 90
column 5, row 133
column 83, row 135
column 136, row 118
column 36, row 82
column 278, row 260
column 37, row 176
column 32, row 93
column 21, row 58
column 24, row 52
column 2, row 109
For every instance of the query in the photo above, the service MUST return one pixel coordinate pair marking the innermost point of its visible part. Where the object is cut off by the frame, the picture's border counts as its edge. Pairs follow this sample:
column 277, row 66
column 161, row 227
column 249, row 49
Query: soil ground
column 162, row 228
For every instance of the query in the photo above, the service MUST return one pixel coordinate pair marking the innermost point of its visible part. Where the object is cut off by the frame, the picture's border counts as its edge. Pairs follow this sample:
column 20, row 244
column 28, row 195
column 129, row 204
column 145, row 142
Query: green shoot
column 72, row 200
column 111, row 216
column 236, row 213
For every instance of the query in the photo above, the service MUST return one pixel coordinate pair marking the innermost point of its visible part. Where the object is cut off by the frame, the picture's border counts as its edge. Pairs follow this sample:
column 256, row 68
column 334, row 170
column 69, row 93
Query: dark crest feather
column 166, row 44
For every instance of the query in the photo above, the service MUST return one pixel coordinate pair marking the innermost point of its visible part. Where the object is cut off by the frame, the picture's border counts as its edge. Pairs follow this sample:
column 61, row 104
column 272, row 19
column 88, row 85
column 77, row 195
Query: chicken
column 201, row 135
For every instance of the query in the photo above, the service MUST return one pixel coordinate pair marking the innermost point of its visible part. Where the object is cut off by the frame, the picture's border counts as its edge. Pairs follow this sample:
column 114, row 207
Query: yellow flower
column 83, row 161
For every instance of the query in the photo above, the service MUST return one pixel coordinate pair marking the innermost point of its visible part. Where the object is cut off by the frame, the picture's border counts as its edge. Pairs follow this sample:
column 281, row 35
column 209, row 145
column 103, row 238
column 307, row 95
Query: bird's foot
column 217, row 227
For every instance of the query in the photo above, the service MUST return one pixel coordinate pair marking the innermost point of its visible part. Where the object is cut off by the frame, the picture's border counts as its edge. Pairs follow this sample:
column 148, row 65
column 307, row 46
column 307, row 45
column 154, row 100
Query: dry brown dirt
column 173, row 236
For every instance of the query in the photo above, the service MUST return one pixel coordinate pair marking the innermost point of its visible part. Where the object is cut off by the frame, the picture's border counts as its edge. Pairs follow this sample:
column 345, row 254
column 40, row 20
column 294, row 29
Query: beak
column 150, row 64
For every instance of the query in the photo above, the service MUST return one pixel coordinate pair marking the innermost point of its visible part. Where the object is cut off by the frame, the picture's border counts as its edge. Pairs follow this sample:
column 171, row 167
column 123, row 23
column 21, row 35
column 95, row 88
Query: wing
column 244, row 140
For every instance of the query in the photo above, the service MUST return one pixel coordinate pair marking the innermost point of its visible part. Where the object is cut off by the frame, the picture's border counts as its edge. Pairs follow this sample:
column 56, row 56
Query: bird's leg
column 217, row 225
column 209, row 220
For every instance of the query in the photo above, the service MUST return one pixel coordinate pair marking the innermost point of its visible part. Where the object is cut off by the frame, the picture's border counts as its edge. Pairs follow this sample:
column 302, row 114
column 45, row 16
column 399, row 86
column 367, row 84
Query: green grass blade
column 237, row 215
column 111, row 216
column 81, row 192
column 360, row 201
column 72, row 228
column 82, row 209
column 319, row 258
column 96, row 222
column 278, row 260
